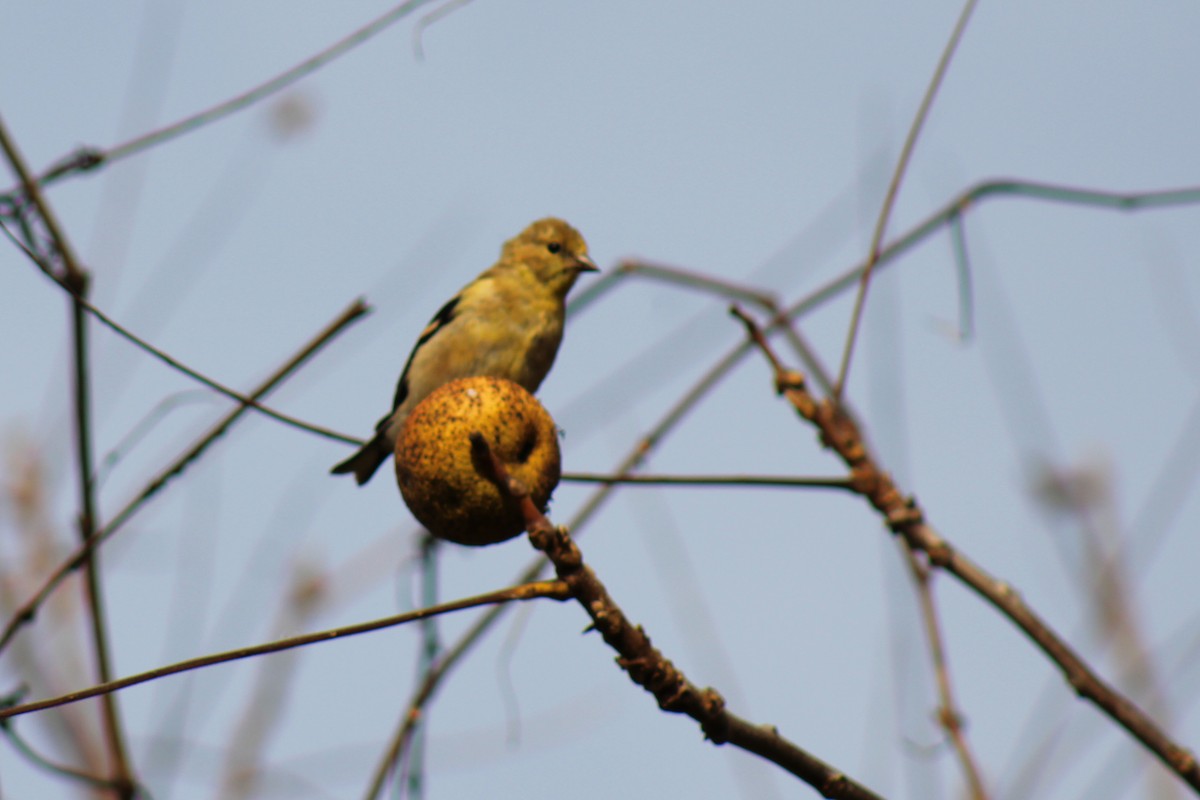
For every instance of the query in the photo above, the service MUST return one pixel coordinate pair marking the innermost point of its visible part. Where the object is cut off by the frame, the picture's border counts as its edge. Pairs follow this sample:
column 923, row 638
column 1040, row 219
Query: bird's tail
column 364, row 463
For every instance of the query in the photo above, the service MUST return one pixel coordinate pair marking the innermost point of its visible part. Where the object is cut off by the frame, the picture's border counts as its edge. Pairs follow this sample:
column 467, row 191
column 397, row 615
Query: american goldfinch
column 507, row 323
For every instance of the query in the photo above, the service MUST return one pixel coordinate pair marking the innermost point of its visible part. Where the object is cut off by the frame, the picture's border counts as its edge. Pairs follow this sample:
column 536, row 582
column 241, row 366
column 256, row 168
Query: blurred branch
column 949, row 718
column 142, row 429
column 962, row 260
column 414, row 768
column 429, row 19
column 1103, row 567
column 556, row 590
column 89, row 158
column 25, row 750
column 647, row 666
column 77, row 281
column 413, row 712
column 25, row 614
column 893, row 190
column 50, row 664
column 905, row 518
column 267, row 701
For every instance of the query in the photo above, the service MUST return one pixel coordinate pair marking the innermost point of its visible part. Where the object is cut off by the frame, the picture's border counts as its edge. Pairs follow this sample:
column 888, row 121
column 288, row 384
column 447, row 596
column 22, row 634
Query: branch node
column 903, row 515
column 609, row 624
column 790, row 379
column 716, row 722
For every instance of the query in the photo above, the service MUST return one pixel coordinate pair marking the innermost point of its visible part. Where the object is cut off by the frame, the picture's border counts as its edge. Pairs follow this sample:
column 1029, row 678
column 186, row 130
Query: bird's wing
column 439, row 322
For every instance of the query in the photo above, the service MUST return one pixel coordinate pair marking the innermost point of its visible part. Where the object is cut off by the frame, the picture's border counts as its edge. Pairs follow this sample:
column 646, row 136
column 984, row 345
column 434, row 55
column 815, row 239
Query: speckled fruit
column 445, row 489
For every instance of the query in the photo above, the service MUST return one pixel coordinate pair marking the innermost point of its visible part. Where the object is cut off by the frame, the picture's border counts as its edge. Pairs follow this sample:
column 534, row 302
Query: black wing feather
column 440, row 320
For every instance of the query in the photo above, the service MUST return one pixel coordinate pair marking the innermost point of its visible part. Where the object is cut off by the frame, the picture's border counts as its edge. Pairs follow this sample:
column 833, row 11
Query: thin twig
column 971, row 197
column 25, row 614
column 243, row 400
column 88, row 159
column 555, row 590
column 77, row 281
column 232, row 394
column 889, row 200
column 414, row 770
column 114, row 734
column 647, row 666
column 34, row 757
column 179, row 366
column 269, row 698
column 949, row 718
column 426, row 21
column 966, row 295
column 414, row 710
column 905, row 518
column 688, row 278
column 46, row 660
column 707, row 480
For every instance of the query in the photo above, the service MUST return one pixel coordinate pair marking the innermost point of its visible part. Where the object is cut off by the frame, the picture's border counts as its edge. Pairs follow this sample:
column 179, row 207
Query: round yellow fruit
column 456, row 498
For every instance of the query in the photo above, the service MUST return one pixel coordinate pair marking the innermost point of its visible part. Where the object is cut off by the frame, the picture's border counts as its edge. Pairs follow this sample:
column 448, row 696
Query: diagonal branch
column 90, row 158
column 906, row 518
column 175, row 363
column 413, row 712
column 949, row 718
column 647, row 666
column 889, row 201
column 556, row 590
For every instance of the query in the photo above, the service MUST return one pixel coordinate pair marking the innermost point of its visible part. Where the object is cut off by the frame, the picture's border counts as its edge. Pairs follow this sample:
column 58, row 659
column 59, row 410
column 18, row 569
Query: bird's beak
column 584, row 263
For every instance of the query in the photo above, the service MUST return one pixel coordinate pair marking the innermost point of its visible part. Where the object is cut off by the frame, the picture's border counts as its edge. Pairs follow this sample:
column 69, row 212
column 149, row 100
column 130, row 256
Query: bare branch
column 647, row 666
column 949, row 718
column 905, row 518
column 708, row 480
column 889, row 201
column 90, row 158
column 556, row 590
column 179, row 366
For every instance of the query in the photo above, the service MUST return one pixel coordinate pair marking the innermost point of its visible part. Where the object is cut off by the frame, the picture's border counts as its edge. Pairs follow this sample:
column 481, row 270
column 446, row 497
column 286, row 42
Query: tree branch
column 905, row 518
column 647, row 666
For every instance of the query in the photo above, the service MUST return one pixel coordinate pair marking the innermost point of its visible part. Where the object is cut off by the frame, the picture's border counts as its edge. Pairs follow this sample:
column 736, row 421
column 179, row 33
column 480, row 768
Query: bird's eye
column 554, row 247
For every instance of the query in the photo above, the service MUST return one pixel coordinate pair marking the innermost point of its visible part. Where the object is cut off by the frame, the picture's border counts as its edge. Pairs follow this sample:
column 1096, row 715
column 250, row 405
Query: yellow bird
column 507, row 323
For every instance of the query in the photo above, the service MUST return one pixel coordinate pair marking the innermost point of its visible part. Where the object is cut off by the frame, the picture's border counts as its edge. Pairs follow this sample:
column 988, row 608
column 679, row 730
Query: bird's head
column 553, row 251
